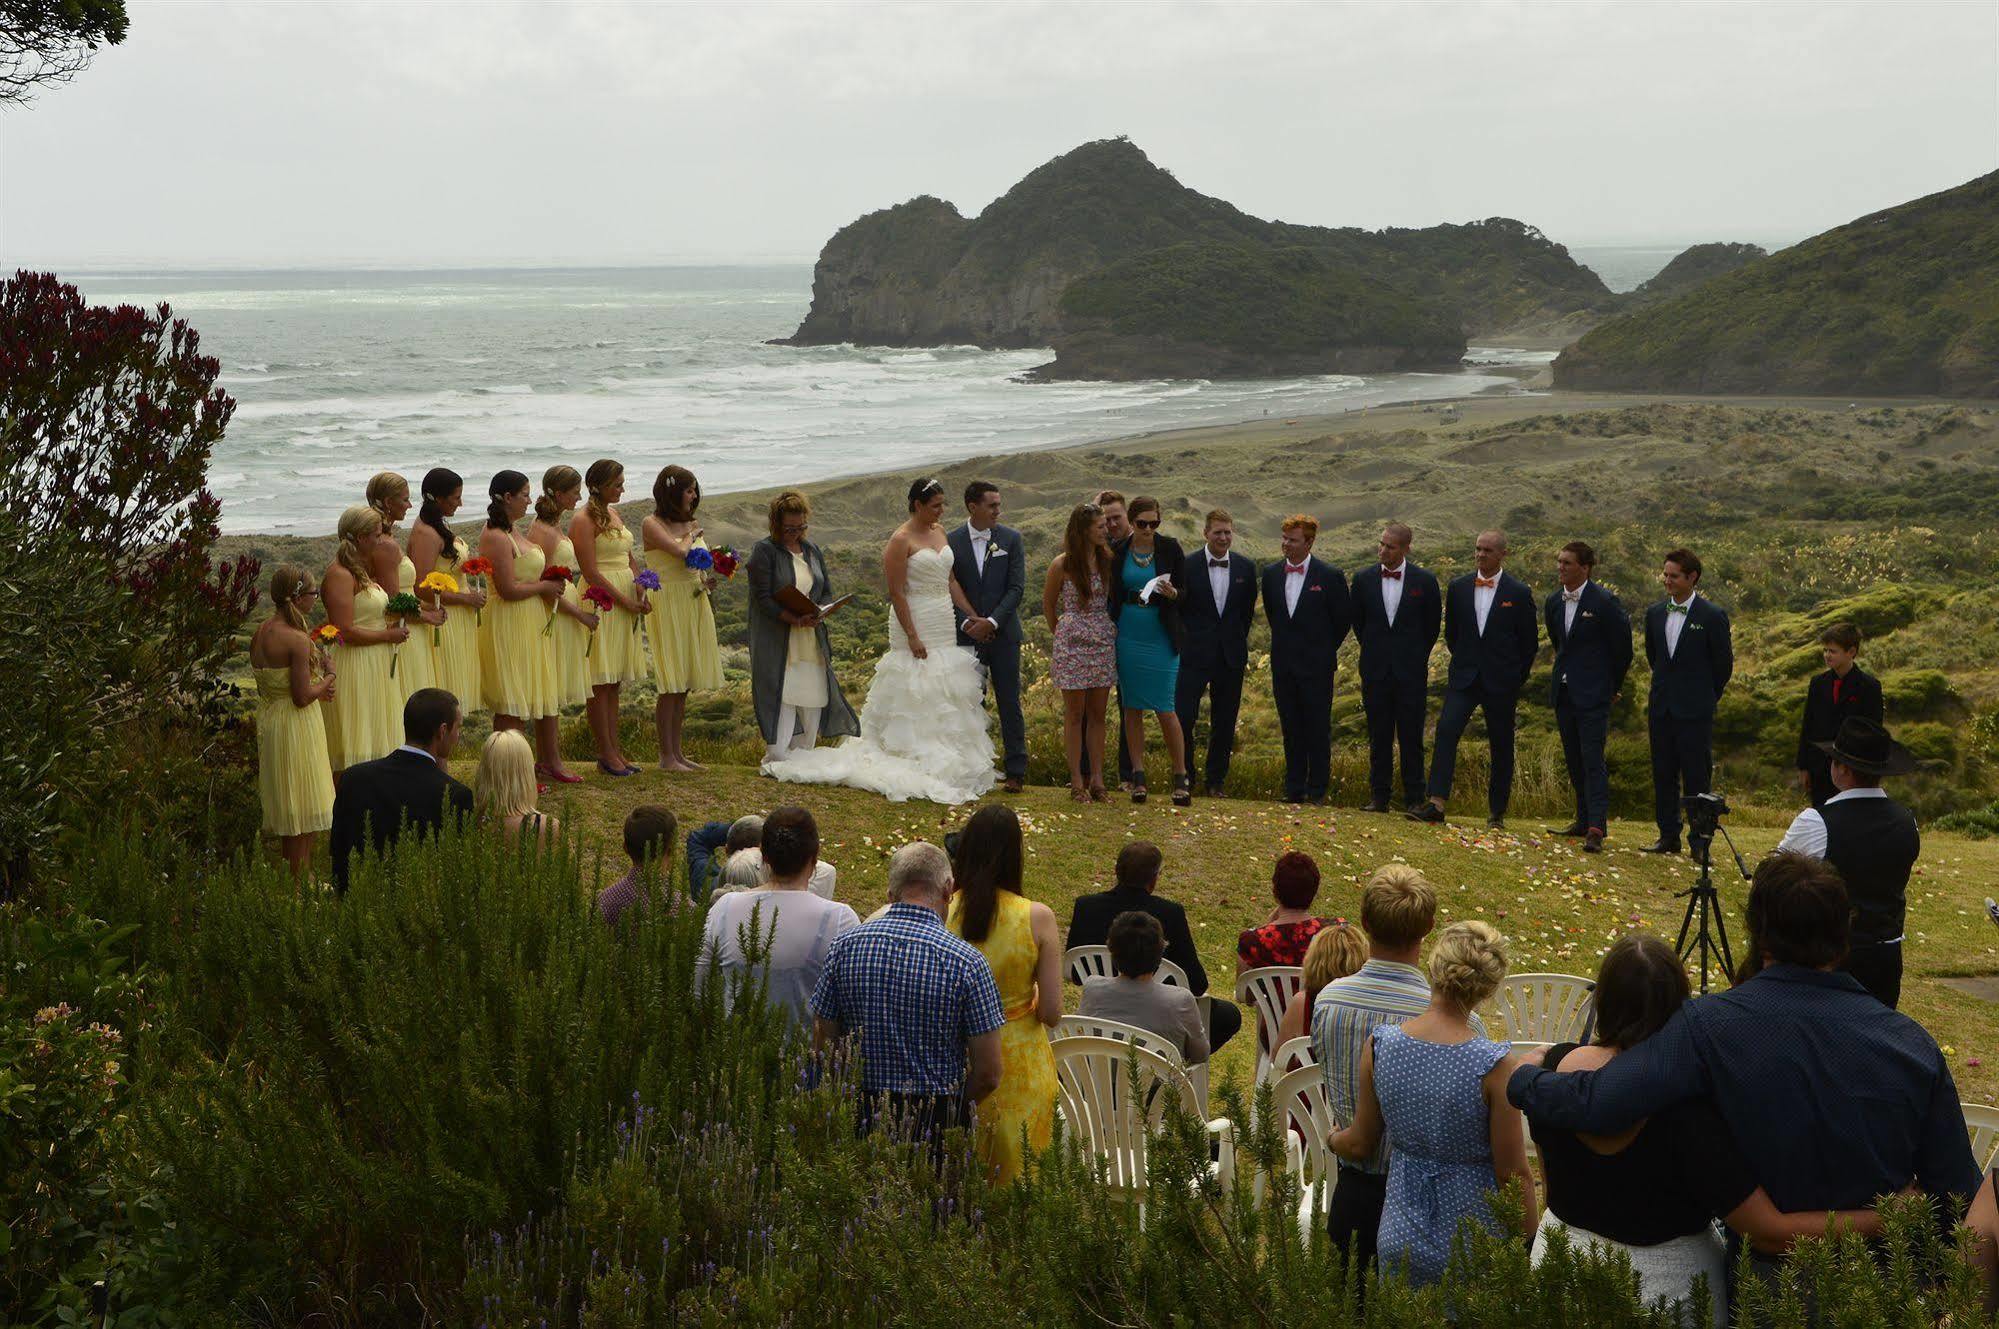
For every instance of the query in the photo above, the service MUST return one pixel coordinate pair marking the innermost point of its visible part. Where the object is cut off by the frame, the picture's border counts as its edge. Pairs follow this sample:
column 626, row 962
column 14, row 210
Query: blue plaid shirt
column 915, row 994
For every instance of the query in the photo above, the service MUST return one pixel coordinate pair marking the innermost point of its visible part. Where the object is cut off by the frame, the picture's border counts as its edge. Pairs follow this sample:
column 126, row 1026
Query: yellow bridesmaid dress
column 571, row 639
column 294, row 774
column 1025, row 1099
column 516, row 661
column 685, row 656
column 621, row 647
column 416, row 665
column 365, row 718
column 458, row 644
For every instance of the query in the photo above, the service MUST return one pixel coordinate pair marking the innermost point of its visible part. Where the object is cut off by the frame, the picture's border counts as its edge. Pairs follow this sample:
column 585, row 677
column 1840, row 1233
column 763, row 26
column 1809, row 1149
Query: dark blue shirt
column 1832, row 1097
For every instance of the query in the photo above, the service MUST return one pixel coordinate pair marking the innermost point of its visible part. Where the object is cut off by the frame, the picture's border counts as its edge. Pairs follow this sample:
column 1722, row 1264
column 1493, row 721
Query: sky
column 295, row 133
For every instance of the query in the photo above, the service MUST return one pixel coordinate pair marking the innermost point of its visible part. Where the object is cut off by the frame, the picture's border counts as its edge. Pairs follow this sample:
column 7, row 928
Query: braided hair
column 504, row 484
column 438, row 485
column 601, row 476
column 555, row 480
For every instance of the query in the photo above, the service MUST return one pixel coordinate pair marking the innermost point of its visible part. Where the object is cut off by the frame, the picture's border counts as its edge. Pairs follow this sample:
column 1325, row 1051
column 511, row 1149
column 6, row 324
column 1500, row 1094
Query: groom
column 991, row 569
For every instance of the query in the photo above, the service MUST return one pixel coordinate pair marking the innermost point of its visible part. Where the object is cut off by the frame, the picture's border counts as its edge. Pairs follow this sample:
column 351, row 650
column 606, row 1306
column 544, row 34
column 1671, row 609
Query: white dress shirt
column 1391, row 590
column 1807, row 833
column 421, row 752
column 982, row 544
column 1218, row 579
column 1294, row 584
column 1570, row 599
column 1481, row 599
column 1675, row 625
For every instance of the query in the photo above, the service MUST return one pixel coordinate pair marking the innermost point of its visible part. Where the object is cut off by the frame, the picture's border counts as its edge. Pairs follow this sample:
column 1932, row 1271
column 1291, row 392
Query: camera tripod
column 1704, row 918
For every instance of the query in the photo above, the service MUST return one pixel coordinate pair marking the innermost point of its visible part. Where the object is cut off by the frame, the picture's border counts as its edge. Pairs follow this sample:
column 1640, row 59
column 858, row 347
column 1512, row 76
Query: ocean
column 340, row 374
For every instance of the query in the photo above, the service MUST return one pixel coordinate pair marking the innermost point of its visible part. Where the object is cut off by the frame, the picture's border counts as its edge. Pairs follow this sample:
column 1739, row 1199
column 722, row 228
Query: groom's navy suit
column 1687, row 682
column 1215, row 655
column 995, row 593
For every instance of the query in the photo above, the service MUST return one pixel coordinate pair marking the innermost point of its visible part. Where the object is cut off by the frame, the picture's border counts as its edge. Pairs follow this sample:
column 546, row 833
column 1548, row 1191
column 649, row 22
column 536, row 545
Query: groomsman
column 1687, row 645
column 1592, row 638
column 1397, row 610
column 1216, row 609
column 1492, row 631
column 991, row 568
column 1844, row 690
column 1306, row 602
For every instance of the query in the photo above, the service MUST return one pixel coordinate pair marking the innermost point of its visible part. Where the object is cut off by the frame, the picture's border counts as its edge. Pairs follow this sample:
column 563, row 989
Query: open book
column 798, row 602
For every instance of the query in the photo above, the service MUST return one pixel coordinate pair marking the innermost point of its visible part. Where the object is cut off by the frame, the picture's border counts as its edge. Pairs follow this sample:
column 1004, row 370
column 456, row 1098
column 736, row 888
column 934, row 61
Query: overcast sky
column 290, row 132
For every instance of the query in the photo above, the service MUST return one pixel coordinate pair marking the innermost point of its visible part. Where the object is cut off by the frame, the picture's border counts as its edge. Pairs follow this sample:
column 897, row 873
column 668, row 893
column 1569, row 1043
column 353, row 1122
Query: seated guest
column 1138, row 865
column 713, row 844
column 1843, row 690
column 1832, row 1097
column 1340, row 949
column 503, row 792
column 799, row 926
column 743, row 872
column 649, row 834
column 1683, row 1161
column 1281, row 938
column 1437, row 1089
column 408, row 790
column 1132, row 997
column 921, row 1003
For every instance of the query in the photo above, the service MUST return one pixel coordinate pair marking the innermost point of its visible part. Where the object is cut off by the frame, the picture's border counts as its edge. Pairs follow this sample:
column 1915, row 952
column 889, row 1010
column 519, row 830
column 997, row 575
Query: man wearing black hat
column 1873, row 841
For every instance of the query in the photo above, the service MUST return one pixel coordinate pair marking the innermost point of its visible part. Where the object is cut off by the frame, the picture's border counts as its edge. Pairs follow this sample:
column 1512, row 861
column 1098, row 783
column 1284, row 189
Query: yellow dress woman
column 294, row 774
column 604, row 548
column 364, row 718
column 569, row 634
column 1019, row 939
column 516, row 662
column 435, row 547
column 685, row 654
column 415, row 660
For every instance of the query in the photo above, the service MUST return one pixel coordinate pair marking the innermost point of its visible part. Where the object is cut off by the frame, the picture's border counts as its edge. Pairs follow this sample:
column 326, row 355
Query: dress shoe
column 1214, row 791
column 1375, row 805
column 1011, row 785
column 1318, row 802
column 1427, row 812
column 1495, row 823
column 1295, row 800
column 1574, row 829
column 1593, row 841
column 1660, row 846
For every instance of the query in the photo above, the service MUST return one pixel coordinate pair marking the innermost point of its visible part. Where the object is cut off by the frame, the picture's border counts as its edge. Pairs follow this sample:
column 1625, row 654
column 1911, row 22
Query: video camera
column 1704, row 814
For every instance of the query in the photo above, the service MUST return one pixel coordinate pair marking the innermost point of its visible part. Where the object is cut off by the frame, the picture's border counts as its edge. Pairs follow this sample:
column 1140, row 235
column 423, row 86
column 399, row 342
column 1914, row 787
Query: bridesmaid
column 603, row 545
column 294, row 776
column 516, row 662
column 416, row 660
column 434, row 547
column 365, row 720
column 685, row 655
column 575, row 620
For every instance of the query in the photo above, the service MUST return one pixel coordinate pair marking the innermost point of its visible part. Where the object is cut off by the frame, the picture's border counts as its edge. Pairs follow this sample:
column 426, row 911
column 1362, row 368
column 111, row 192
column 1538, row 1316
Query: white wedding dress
column 923, row 727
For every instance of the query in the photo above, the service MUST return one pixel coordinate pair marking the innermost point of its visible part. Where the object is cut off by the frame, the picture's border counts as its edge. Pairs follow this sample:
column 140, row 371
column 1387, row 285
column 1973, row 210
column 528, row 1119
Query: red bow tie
column 1484, row 582
column 1392, row 574
column 1294, row 569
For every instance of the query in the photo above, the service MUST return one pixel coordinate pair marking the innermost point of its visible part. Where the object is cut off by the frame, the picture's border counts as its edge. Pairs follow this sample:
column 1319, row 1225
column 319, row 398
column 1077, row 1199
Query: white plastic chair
column 1081, row 962
column 1091, row 1026
column 1267, row 991
column 1543, row 1008
column 1111, row 1122
column 1294, row 1053
column 1301, row 1096
column 1982, row 1122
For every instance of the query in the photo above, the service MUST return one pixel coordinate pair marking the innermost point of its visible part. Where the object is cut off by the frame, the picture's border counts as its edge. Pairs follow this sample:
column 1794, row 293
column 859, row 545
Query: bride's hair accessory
column 922, row 491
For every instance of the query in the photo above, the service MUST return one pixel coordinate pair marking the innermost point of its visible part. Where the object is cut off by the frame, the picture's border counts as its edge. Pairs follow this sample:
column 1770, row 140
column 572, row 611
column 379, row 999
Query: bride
column 923, row 727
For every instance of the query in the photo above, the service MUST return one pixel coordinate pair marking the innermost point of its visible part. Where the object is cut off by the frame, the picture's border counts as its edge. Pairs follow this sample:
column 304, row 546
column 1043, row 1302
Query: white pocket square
column 996, row 553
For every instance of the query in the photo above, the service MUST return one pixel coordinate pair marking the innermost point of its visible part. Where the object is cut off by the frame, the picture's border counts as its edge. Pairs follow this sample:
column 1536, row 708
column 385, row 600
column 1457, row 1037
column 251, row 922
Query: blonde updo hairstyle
column 505, row 784
column 602, row 474
column 1468, row 963
column 555, row 480
column 387, row 485
column 289, row 582
column 356, row 524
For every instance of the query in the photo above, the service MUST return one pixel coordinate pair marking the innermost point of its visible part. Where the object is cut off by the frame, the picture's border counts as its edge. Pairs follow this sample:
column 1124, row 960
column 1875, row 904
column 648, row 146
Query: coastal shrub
column 1908, row 693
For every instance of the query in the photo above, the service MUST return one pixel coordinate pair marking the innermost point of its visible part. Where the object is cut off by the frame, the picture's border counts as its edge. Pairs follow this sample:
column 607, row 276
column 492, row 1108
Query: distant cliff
column 1691, row 267
column 921, row 274
column 1904, row 301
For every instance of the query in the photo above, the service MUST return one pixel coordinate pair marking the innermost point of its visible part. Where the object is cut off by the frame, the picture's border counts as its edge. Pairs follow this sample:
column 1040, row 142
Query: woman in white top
column 798, row 925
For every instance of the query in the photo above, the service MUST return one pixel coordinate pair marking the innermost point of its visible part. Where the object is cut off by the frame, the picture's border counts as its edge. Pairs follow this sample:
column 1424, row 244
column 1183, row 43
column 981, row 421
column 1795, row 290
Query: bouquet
column 646, row 580
column 702, row 561
column 603, row 602
column 324, row 638
column 561, row 576
column 476, row 571
column 440, row 583
column 405, row 606
column 727, row 560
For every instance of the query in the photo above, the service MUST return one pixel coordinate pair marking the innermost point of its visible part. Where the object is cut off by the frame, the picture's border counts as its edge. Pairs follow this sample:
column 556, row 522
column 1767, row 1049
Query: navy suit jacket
column 1687, row 684
column 382, row 800
column 1590, row 665
column 1500, row 658
column 1217, row 635
column 996, row 594
column 1401, row 649
column 1307, row 642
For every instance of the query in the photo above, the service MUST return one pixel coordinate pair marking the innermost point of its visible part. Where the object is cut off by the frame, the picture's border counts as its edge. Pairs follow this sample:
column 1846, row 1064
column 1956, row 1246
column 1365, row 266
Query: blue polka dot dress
column 1440, row 1146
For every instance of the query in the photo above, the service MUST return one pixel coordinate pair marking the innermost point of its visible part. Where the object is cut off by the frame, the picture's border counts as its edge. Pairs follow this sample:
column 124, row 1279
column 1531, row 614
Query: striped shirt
column 1347, row 1012
column 915, row 994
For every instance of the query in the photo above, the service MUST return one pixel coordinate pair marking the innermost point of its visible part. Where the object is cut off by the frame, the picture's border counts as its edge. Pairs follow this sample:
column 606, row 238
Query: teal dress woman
column 1148, row 643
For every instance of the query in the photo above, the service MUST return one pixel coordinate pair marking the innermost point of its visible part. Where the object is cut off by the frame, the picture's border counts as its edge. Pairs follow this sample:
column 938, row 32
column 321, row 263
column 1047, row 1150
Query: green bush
column 1909, row 693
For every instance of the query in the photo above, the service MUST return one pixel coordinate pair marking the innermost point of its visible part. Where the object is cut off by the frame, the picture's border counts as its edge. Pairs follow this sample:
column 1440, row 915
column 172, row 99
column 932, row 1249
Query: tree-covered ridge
column 1904, row 301
column 1691, row 267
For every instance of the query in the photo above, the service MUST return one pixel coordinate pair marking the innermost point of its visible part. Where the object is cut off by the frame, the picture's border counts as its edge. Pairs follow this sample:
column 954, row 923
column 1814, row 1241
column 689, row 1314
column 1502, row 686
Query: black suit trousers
column 1584, row 736
column 1682, row 765
column 1878, row 967
column 1223, row 683
column 1395, row 707
column 1002, row 661
column 1500, row 710
column 1305, row 714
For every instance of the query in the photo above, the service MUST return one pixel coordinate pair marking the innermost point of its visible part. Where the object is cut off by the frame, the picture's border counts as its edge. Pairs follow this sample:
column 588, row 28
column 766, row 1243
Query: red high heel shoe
column 559, row 777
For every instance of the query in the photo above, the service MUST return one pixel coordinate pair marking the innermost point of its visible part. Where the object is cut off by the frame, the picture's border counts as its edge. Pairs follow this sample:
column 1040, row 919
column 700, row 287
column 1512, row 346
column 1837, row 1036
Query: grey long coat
column 770, row 639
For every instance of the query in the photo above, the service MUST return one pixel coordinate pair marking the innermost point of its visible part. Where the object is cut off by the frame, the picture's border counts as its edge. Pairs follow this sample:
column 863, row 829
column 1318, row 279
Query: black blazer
column 1687, row 684
column 1218, row 635
column 1500, row 658
column 996, row 594
column 1309, row 641
column 1167, row 561
column 1090, row 925
column 1400, row 650
column 378, row 801
column 1859, row 694
column 1590, row 666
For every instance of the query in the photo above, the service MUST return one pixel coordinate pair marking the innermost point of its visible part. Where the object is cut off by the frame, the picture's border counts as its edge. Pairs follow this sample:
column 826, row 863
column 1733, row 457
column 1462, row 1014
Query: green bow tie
column 1672, row 608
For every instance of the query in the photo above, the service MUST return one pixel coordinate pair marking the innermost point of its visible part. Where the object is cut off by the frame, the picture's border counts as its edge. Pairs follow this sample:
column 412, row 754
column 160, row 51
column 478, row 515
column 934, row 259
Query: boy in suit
column 1397, row 611
column 1309, row 611
column 1216, row 610
column 1843, row 691
column 1592, row 638
column 991, row 567
column 1687, row 645
column 1493, row 634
